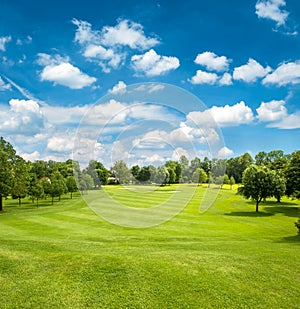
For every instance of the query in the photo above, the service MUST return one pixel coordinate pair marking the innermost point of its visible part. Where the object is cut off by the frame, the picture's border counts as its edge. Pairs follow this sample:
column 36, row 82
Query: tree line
column 267, row 174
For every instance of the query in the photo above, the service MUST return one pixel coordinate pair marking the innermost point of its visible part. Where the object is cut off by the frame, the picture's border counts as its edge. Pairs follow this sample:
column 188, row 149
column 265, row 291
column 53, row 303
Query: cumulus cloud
column 60, row 144
column 271, row 9
column 3, row 41
column 225, row 80
column 35, row 155
column 58, row 70
column 4, row 86
column 152, row 64
column 203, row 77
column 119, row 88
column 107, row 58
column 212, row 62
column 225, row 152
column 109, row 46
column 251, row 71
column 224, row 116
column 286, row 73
column 277, row 115
column 127, row 33
column 271, row 111
column 22, row 117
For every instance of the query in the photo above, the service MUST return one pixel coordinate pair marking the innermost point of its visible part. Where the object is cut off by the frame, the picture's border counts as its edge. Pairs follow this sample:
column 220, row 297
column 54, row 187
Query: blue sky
column 241, row 59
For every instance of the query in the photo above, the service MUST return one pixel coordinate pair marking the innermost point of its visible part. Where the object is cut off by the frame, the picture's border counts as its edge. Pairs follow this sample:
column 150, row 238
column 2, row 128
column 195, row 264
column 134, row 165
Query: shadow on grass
column 289, row 211
column 249, row 214
column 291, row 239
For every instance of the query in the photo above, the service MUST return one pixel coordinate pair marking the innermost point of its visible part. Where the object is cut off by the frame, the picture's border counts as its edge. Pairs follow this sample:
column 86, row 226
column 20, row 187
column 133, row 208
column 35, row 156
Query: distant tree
column 261, row 183
column 135, row 171
column 226, row 180
column 206, row 165
column 293, row 176
column 261, row 158
column 162, row 176
column 7, row 159
column 220, row 181
column 278, row 186
column 236, row 166
column 85, row 182
column 40, row 168
column 71, row 185
column 37, row 192
column 144, row 174
column 58, row 186
column 199, row 176
column 231, row 182
column 174, row 168
column 21, row 178
column 121, row 172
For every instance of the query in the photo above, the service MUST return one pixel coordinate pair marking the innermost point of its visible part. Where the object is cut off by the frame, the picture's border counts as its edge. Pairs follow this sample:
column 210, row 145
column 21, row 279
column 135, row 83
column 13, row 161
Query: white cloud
column 152, row 64
column 251, row 71
column 106, row 58
column 60, row 71
column 84, row 33
column 4, row 86
column 202, row 77
column 127, row 33
column 271, row 111
column 3, row 41
column 225, row 80
column 271, row 9
column 22, row 117
column 60, row 144
column 277, row 115
column 119, row 88
column 286, row 73
column 178, row 152
column 212, row 62
column 224, row 116
column 35, row 155
column 225, row 152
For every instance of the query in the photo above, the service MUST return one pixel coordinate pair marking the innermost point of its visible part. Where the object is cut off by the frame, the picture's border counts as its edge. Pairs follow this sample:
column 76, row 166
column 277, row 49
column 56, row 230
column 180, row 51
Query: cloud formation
column 152, row 64
column 286, row 73
column 271, row 9
column 250, row 72
column 3, row 41
column 212, row 62
column 60, row 71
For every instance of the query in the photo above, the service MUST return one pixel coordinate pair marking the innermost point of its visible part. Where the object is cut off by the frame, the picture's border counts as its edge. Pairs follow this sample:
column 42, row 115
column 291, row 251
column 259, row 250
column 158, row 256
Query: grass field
column 65, row 256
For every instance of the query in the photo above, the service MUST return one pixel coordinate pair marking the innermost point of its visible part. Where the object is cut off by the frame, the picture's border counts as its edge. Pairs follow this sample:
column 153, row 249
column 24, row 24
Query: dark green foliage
column 293, row 176
column 297, row 224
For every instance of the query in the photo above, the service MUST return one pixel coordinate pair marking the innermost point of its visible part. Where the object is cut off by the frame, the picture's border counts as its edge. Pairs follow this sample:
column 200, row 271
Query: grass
column 65, row 256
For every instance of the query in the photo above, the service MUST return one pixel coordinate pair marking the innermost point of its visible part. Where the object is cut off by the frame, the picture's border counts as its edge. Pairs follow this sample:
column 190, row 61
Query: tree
column 7, row 159
column 236, row 166
column 220, row 181
column 85, row 182
column 135, row 171
column 278, row 186
column 21, row 178
column 58, row 186
column 293, row 175
column 162, row 176
column 121, row 172
column 71, row 185
column 260, row 183
column 144, row 174
column 199, row 176
column 37, row 192
column 231, row 182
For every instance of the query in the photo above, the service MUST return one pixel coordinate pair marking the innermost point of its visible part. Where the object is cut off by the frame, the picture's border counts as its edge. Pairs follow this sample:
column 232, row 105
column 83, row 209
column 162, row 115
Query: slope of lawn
column 65, row 256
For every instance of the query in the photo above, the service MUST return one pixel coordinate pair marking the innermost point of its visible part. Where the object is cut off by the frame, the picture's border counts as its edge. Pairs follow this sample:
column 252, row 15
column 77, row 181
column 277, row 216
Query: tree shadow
column 289, row 211
column 290, row 239
column 249, row 214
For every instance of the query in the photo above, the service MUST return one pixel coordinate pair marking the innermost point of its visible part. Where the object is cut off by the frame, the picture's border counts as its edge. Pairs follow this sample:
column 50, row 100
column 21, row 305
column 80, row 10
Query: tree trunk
column 71, row 194
column 52, row 200
column 257, row 202
column 1, row 208
column 19, row 201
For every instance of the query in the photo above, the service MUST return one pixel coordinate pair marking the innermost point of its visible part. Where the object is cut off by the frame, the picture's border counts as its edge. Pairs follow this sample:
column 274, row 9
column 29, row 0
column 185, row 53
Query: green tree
column 135, row 171
column 162, row 176
column 71, row 185
column 231, row 182
column 144, row 174
column 199, row 176
column 7, row 159
column 21, row 178
column 58, row 186
column 121, row 172
column 293, row 175
column 37, row 192
column 261, row 183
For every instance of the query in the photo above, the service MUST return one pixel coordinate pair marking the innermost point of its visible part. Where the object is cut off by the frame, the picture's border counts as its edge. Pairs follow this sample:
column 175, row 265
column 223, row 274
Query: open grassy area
column 65, row 256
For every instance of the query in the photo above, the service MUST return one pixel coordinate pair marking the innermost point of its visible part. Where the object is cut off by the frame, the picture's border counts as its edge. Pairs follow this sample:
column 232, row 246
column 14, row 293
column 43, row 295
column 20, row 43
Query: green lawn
column 65, row 256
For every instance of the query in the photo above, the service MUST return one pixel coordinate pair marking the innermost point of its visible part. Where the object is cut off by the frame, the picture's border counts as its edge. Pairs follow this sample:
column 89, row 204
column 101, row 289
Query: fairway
column 65, row 256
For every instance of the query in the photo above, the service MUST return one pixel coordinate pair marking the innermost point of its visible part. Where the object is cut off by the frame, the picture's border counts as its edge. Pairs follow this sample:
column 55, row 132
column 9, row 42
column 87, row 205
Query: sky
column 148, row 81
